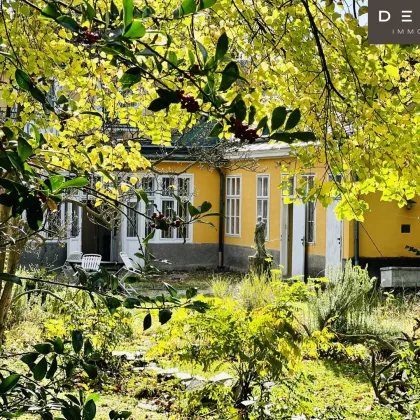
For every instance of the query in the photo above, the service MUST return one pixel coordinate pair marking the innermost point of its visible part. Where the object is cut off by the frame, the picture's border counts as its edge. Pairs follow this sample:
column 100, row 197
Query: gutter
column 221, row 217
column 356, row 237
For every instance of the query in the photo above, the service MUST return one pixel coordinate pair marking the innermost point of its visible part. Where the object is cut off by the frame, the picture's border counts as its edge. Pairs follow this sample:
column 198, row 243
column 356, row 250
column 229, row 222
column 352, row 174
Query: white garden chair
column 91, row 262
column 130, row 270
column 67, row 268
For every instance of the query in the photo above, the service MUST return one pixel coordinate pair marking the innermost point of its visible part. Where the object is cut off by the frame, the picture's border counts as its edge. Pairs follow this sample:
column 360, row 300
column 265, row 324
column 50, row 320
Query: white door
column 284, row 237
column 298, row 239
column 333, row 254
column 130, row 234
column 74, row 215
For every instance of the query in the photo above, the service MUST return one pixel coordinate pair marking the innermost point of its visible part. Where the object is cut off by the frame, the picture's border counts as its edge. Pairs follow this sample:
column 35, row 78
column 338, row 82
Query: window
column 233, row 205
column 74, row 220
column 54, row 224
column 160, row 192
column 405, row 228
column 263, row 194
column 310, row 212
column 132, row 221
column 287, row 186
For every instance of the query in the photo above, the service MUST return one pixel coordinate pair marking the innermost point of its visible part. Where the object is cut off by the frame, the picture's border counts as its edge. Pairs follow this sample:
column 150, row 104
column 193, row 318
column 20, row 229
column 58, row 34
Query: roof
column 262, row 150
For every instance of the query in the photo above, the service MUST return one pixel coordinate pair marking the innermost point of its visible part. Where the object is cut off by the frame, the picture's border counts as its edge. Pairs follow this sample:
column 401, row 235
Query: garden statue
column 259, row 239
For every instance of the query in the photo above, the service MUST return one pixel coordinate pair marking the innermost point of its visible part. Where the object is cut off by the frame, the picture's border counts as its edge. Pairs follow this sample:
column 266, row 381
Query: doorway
column 96, row 239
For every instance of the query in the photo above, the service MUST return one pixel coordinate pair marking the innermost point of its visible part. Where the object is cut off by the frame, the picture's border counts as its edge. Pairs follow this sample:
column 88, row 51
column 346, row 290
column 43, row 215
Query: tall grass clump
column 348, row 304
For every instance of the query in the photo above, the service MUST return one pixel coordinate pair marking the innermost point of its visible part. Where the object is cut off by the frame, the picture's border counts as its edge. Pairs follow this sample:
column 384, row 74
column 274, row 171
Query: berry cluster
column 188, row 102
column 42, row 197
column 168, row 221
column 242, row 131
column 88, row 37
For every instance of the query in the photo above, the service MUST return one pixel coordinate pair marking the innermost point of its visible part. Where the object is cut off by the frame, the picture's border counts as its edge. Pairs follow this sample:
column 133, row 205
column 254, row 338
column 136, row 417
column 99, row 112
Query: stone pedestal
column 258, row 265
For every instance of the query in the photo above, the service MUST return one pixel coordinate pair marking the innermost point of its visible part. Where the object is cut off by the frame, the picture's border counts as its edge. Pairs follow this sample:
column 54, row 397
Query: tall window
column 132, row 221
column 161, row 192
column 263, row 195
column 233, row 205
column 310, row 212
column 148, row 185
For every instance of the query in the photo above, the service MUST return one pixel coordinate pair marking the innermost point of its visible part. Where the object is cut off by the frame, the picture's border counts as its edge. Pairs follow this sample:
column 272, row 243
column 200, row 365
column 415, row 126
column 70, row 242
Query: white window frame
column 158, row 198
column 263, row 198
column 62, row 209
column 234, row 197
column 310, row 203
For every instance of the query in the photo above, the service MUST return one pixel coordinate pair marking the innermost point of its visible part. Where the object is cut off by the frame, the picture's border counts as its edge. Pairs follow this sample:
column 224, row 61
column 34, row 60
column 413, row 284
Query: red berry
column 177, row 223
column 154, row 215
column 153, row 225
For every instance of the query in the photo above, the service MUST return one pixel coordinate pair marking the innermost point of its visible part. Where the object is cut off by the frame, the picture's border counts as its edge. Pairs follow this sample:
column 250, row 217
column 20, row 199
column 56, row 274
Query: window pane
column 265, row 209
column 183, row 187
column 265, row 188
column 259, row 186
column 147, row 184
column 259, row 208
column 131, row 222
column 167, row 182
column 167, row 210
column 150, row 209
column 238, row 186
column 75, row 223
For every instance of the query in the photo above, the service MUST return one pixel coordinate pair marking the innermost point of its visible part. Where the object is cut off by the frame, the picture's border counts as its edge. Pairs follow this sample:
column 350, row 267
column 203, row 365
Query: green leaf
column 206, row 206
column 131, row 302
column 293, row 119
column 29, row 358
column 263, row 123
column 34, row 214
column 217, row 129
column 147, row 12
column 149, row 237
column 128, row 8
column 43, row 348
column 53, row 368
column 94, row 113
column 10, row 278
column 69, row 369
column 165, row 315
column 240, row 110
column 68, row 22
column 142, row 195
column 58, row 345
column 23, row 80
column 172, row 291
column 278, row 118
column 251, row 114
column 89, row 410
column 222, row 46
column 135, row 30
column 191, row 292
column 38, row 94
column 169, row 96
column 229, row 75
column 131, row 77
column 158, row 104
column 193, row 211
column 77, row 340
column 71, row 413
column 203, row 51
column 282, row 136
column 87, row 348
column 304, row 136
column 91, row 370
column 187, row 7
column 112, row 304
column 147, row 322
column 75, row 183
column 363, row 10
column 198, row 306
column 40, row 369
column 90, row 12
column 8, row 133
column 54, row 182
column 172, row 58
column 51, row 11
column 9, row 383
